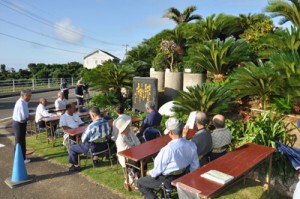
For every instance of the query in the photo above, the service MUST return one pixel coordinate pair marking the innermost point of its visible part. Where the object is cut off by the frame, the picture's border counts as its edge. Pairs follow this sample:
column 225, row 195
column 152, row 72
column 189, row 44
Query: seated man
column 120, row 112
column 42, row 112
column 202, row 138
column 153, row 119
column 221, row 137
column 60, row 102
column 177, row 155
column 91, row 137
column 70, row 120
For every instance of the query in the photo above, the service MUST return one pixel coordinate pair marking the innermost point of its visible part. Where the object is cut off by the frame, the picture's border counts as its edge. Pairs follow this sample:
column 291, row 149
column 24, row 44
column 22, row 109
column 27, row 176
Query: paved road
column 52, row 181
column 7, row 104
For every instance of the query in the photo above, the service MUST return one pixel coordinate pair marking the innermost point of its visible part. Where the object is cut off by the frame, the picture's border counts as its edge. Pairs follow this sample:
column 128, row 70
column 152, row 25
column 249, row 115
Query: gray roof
column 114, row 57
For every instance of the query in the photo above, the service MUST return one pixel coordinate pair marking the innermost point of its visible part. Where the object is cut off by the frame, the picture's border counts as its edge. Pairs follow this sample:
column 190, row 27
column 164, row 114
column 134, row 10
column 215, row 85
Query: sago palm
column 213, row 27
column 219, row 57
column 111, row 76
column 210, row 98
column 280, row 41
column 252, row 80
column 185, row 17
column 290, row 12
column 288, row 65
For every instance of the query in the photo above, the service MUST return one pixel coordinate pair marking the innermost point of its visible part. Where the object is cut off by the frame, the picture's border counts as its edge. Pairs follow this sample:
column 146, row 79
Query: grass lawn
column 108, row 177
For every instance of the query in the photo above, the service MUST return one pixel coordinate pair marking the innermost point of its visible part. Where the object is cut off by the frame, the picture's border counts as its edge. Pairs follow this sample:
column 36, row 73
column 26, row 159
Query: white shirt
column 60, row 103
column 177, row 154
column 41, row 112
column 125, row 142
column 21, row 111
column 72, row 121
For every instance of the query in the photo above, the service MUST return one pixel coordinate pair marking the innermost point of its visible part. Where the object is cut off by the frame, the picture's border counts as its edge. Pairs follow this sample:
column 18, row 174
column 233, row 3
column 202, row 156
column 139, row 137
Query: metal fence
column 15, row 85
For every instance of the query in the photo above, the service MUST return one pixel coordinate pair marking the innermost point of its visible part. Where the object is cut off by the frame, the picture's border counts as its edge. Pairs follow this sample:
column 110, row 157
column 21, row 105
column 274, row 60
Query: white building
column 98, row 57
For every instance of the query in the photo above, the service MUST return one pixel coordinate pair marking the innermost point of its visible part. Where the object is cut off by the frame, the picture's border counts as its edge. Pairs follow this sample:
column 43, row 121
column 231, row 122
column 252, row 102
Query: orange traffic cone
column 19, row 173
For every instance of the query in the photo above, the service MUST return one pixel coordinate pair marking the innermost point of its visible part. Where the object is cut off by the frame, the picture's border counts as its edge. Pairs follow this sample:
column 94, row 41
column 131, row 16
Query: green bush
column 106, row 99
column 264, row 130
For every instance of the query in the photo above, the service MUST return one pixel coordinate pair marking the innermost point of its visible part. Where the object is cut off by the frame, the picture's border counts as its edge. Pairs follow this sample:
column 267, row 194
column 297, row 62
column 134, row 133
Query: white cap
column 172, row 124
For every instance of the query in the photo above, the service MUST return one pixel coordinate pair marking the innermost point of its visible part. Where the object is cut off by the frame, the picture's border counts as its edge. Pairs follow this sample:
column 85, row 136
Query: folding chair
column 39, row 131
column 151, row 133
column 105, row 152
column 166, row 188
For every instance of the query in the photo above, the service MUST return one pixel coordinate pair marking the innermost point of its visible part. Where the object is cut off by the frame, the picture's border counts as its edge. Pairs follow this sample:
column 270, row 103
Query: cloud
column 155, row 21
column 66, row 31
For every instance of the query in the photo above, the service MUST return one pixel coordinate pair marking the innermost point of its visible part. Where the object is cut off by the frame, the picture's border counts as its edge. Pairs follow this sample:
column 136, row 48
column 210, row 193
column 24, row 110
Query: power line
column 49, row 23
column 39, row 33
column 47, row 46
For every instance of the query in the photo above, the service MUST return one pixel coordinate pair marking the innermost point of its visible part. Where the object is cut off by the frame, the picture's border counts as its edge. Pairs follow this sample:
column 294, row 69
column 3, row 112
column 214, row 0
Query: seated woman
column 126, row 139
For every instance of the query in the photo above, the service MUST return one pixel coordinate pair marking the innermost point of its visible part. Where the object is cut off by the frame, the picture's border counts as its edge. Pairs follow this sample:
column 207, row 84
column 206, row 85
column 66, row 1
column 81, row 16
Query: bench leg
column 269, row 174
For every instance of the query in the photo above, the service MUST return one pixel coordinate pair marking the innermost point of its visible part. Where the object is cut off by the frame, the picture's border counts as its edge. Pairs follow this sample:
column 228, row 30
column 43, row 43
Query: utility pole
column 126, row 46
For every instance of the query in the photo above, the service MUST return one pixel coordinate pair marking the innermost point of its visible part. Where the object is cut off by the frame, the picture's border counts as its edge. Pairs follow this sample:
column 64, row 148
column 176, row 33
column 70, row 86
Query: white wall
column 95, row 59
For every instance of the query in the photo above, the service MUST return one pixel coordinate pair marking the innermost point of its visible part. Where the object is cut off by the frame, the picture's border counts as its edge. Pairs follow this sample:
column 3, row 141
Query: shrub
column 210, row 98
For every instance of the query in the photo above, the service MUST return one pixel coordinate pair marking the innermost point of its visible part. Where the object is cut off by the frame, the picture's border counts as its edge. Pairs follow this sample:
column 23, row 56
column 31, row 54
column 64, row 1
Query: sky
column 62, row 31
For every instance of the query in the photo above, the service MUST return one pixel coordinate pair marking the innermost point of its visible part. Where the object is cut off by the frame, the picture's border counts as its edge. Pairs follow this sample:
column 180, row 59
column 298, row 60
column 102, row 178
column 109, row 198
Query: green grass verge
column 108, row 177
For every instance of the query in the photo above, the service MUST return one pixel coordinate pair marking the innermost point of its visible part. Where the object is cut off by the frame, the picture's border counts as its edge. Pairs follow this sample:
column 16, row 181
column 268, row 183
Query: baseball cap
column 172, row 124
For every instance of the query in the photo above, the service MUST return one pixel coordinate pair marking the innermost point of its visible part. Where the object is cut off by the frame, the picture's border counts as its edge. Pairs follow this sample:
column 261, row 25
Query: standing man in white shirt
column 20, row 117
column 61, row 102
column 42, row 112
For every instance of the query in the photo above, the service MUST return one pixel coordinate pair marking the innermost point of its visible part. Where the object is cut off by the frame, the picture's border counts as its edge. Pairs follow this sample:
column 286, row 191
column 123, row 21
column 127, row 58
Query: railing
column 15, row 85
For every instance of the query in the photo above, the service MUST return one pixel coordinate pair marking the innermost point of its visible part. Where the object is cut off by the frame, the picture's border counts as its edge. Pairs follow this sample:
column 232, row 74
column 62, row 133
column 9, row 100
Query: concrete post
column 173, row 83
column 193, row 79
column 160, row 76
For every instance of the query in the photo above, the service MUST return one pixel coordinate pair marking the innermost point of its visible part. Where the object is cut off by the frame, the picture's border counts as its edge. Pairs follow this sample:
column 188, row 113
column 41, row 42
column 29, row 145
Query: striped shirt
column 21, row 111
column 97, row 129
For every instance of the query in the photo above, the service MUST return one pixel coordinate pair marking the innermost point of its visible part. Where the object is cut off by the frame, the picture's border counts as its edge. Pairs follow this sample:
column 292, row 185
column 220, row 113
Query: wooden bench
column 237, row 163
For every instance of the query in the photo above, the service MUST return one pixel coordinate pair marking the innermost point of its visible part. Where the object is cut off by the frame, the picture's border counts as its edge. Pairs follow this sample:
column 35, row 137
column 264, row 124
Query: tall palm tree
column 289, row 11
column 185, row 17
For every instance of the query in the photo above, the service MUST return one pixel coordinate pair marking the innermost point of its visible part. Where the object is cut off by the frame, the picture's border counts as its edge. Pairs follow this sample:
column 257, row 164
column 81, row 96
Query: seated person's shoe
column 73, row 168
column 95, row 162
column 133, row 187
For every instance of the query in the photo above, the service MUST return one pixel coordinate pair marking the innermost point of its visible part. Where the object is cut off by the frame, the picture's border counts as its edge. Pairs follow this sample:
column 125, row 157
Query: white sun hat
column 122, row 123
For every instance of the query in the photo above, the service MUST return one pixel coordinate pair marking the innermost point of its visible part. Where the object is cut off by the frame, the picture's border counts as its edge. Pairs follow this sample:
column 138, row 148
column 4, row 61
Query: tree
column 213, row 27
column 252, row 80
column 4, row 72
column 185, row 17
column 258, row 27
column 111, row 76
column 280, row 41
column 288, row 11
column 219, row 57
